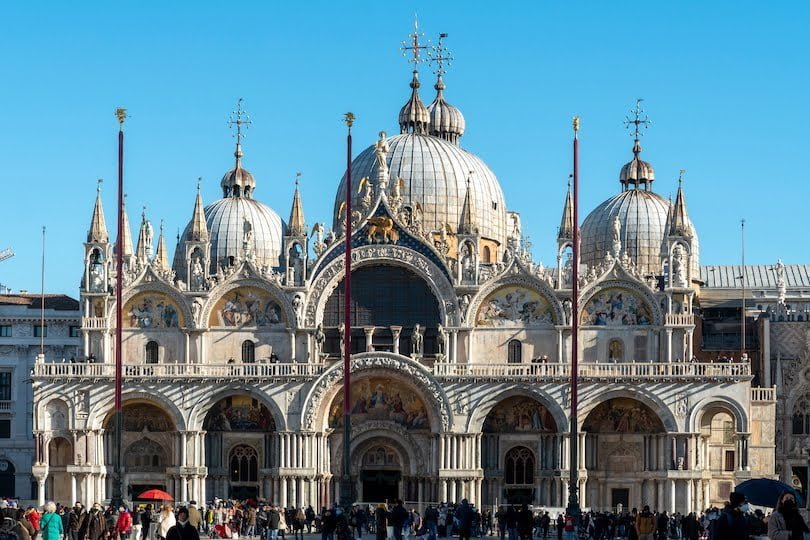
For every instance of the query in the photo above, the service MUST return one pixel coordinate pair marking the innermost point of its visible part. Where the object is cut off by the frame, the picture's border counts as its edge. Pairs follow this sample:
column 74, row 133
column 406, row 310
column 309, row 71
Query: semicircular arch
column 370, row 434
column 274, row 294
column 714, row 403
column 204, row 406
column 487, row 403
column 157, row 288
column 607, row 303
column 523, row 281
column 104, row 407
column 315, row 409
column 650, row 400
column 331, row 275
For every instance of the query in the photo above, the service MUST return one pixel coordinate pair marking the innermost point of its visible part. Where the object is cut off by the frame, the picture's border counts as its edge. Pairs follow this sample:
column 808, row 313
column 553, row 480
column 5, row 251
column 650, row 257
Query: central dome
column 435, row 172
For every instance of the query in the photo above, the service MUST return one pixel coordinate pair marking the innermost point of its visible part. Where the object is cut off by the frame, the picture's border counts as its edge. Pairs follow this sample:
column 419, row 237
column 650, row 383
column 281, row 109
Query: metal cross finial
column 680, row 177
column 199, row 180
column 143, row 214
column 98, row 186
column 239, row 118
column 440, row 55
column 640, row 120
column 570, row 177
column 297, row 179
column 414, row 48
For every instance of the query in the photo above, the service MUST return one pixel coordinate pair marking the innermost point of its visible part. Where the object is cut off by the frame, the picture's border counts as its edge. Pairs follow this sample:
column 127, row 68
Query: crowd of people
column 259, row 520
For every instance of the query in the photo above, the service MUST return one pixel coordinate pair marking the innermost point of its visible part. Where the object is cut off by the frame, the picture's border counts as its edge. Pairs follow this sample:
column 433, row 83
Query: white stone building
column 461, row 365
column 21, row 339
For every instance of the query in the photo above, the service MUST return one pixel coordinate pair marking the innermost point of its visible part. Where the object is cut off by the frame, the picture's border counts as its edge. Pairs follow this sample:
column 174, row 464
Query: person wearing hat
column 732, row 523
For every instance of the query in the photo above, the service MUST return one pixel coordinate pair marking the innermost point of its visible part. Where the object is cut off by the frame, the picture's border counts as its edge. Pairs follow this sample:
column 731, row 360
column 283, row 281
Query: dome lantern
column 446, row 121
column 637, row 172
column 238, row 182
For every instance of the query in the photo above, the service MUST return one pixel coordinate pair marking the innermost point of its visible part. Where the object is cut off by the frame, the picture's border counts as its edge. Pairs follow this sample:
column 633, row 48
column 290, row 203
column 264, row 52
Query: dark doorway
column 620, row 496
column 519, row 495
column 380, row 486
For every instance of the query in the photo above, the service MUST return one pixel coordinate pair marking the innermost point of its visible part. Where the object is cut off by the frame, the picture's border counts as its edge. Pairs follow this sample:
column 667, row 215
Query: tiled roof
column 58, row 302
column 757, row 276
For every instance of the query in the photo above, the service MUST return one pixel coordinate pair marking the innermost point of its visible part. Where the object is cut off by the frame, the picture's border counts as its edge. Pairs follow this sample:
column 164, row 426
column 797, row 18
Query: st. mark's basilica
column 461, row 346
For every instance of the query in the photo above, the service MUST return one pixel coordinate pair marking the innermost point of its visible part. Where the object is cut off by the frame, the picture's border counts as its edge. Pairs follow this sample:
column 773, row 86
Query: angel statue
column 365, row 188
column 317, row 232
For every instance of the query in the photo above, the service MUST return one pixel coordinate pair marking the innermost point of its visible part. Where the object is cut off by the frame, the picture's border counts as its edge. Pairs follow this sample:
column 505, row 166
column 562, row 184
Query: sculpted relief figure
column 417, row 340
column 678, row 267
column 381, row 152
column 320, row 339
column 441, row 339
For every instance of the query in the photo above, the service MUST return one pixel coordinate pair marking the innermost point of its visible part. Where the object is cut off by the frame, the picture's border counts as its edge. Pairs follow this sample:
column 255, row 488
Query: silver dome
column 225, row 221
column 643, row 218
column 435, row 172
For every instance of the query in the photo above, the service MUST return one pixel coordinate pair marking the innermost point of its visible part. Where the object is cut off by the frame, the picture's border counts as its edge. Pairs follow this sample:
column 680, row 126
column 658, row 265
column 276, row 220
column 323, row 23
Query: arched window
column 615, row 351
column 152, row 350
column 248, row 352
column 519, row 466
column 515, row 352
column 244, row 464
column 801, row 416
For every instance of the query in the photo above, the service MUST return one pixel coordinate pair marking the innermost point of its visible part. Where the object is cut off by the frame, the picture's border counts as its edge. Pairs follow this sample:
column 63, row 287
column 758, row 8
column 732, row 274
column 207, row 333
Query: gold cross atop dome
column 239, row 118
column 440, row 55
column 640, row 120
column 414, row 49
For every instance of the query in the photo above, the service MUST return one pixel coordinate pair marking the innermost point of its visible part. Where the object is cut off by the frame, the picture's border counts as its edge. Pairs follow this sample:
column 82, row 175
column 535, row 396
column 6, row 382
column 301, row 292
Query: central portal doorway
column 381, row 474
column 380, row 485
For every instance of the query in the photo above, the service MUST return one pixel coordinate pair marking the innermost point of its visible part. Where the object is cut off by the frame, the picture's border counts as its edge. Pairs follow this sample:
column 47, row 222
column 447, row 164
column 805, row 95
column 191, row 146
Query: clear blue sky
column 725, row 84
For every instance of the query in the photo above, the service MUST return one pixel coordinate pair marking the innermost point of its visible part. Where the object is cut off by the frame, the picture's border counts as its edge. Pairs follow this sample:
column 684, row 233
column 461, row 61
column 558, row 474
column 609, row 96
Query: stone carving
column 617, row 237
column 381, row 399
column 417, row 340
column 623, row 415
column 681, row 405
column 152, row 310
column 298, row 306
column 781, row 284
column 365, row 188
column 441, row 339
column 519, row 414
column 678, row 266
column 463, row 304
column 239, row 413
column 396, row 194
column 320, row 339
column 144, row 417
column 406, row 368
column 514, row 306
column 196, row 309
column 319, row 246
column 96, row 277
column 567, row 306
column 246, row 306
column 381, row 153
column 197, row 275
column 616, row 307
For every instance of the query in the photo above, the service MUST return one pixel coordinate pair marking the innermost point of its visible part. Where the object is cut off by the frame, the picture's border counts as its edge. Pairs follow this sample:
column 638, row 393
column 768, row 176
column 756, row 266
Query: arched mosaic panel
column 381, row 398
column 247, row 306
column 616, row 307
column 512, row 306
column 623, row 415
column 519, row 414
column 239, row 413
column 152, row 310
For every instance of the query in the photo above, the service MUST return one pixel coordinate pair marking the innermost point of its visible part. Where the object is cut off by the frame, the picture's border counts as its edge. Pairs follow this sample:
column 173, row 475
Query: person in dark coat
column 397, row 517
column 732, row 523
column 183, row 530
column 381, row 523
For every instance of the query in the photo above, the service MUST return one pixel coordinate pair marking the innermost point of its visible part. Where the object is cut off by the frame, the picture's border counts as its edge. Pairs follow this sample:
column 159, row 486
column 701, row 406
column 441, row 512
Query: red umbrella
column 154, row 495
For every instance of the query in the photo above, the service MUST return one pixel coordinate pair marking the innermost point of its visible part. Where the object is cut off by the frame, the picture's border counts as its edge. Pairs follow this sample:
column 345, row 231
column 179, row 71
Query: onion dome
column 446, row 121
column 238, row 182
column 637, row 172
column 434, row 173
column 414, row 117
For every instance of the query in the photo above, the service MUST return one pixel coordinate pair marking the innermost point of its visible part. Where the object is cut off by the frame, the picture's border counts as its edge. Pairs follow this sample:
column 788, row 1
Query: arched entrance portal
column 380, row 473
column 623, row 437
column 520, row 453
column 148, row 443
column 238, row 443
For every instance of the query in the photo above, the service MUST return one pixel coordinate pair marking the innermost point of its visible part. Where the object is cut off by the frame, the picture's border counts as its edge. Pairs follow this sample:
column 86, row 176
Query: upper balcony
column 535, row 372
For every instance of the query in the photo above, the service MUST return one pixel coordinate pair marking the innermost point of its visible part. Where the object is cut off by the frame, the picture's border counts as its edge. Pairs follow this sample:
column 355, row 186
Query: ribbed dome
column 643, row 218
column 225, row 220
column 435, row 172
column 446, row 121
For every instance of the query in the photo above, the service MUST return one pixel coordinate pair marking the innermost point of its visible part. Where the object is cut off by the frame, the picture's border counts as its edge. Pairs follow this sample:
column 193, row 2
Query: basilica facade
column 461, row 347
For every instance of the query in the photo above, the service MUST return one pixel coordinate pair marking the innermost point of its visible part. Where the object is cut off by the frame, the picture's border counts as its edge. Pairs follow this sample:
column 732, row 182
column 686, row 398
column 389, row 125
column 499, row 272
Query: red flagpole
column 346, row 498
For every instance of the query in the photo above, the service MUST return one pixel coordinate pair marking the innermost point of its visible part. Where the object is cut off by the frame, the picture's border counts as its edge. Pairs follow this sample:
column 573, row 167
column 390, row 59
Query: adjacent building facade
column 461, row 347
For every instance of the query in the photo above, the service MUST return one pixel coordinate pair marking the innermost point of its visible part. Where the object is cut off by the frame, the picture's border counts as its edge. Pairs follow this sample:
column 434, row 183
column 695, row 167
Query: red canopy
column 154, row 495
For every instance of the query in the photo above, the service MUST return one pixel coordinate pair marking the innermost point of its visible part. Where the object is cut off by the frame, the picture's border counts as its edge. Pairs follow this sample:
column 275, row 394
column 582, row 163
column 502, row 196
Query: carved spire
column 144, row 250
column 162, row 255
column 128, row 251
column 678, row 222
column 98, row 227
column 566, row 231
column 199, row 229
column 467, row 223
column 296, row 225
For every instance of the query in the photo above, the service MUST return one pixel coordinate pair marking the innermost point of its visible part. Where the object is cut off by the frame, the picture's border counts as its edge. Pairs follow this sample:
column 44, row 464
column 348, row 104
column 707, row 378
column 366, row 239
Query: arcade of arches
column 519, row 454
